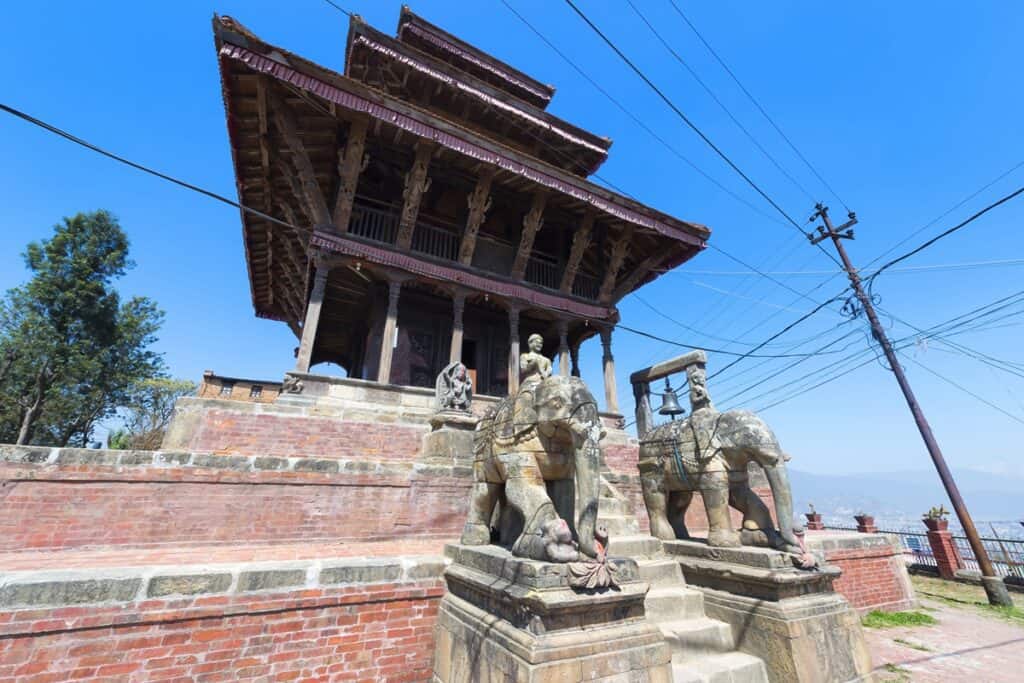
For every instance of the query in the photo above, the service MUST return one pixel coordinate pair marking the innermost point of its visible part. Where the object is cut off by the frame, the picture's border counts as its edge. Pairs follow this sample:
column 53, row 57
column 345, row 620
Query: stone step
column 666, row 604
column 696, row 638
column 619, row 525
column 731, row 667
column 661, row 572
column 633, row 546
column 614, row 506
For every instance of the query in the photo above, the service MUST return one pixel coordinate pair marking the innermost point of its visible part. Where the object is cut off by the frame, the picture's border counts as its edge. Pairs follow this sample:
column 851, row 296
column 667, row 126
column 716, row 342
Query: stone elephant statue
column 538, row 454
column 709, row 452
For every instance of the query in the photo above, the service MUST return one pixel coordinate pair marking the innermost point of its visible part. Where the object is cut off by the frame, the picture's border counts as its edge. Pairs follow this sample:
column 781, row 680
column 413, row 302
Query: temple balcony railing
column 378, row 222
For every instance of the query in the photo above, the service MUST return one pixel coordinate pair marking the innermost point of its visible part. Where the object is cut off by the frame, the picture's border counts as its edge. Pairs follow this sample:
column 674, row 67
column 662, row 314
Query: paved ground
column 969, row 642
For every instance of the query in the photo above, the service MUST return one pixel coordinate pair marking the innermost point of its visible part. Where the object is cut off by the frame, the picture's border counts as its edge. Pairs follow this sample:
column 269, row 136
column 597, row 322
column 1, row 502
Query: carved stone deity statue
column 454, row 388
column 534, row 366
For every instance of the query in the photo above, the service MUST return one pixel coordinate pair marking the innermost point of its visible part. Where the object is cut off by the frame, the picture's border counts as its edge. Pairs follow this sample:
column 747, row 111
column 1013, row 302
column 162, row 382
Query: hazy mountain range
column 902, row 497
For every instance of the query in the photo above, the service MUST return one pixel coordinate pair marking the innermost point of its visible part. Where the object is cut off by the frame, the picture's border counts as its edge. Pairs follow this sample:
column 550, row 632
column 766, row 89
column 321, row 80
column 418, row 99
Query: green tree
column 71, row 352
column 148, row 412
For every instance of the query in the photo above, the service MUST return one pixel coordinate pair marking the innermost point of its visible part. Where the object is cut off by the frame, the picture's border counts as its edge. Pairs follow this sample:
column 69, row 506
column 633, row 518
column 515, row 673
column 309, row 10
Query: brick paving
column 964, row 646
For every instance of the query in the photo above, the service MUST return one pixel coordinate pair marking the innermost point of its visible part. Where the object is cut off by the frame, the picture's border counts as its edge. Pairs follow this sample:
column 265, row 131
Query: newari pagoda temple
column 419, row 209
column 440, row 212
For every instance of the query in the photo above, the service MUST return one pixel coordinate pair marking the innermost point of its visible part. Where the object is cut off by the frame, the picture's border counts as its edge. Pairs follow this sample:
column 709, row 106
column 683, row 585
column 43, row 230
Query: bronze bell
column 669, row 402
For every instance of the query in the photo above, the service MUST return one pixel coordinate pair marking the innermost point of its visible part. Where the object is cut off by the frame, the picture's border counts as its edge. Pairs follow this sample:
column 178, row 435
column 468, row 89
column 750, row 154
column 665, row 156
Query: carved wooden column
column 532, row 222
column 416, row 183
column 351, row 162
column 574, row 355
column 580, row 242
column 620, row 249
column 458, row 305
column 316, row 300
column 513, row 350
column 387, row 342
column 610, row 390
column 479, row 201
column 563, row 348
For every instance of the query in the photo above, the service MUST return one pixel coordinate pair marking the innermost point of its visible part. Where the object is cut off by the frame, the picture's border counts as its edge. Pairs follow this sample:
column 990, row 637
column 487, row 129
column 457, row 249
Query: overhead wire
column 756, row 103
column 719, row 102
column 637, row 120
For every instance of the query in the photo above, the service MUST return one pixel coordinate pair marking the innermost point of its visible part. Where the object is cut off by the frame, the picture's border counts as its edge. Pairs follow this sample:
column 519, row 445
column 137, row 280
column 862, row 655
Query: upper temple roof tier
column 420, row 33
column 429, row 68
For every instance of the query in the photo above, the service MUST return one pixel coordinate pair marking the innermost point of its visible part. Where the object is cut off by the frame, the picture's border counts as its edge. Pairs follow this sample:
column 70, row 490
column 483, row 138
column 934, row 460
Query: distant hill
column 906, row 495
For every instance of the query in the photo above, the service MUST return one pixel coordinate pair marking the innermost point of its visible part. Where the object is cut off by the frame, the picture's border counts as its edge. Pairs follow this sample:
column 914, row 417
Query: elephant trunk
column 588, row 482
column 778, row 479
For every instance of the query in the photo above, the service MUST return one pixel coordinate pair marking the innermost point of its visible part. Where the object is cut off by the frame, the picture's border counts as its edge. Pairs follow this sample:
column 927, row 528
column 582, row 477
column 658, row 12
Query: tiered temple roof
column 433, row 163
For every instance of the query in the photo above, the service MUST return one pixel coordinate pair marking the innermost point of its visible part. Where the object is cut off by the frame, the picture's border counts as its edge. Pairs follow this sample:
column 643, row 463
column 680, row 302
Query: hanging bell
column 669, row 402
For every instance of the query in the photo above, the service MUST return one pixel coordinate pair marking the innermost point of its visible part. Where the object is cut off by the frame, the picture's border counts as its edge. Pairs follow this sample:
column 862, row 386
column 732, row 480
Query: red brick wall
column 622, row 458
column 873, row 578
column 377, row 632
column 231, row 432
column 63, row 507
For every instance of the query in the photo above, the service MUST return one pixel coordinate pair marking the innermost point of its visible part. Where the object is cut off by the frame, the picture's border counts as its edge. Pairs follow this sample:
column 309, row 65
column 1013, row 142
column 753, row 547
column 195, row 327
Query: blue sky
column 905, row 108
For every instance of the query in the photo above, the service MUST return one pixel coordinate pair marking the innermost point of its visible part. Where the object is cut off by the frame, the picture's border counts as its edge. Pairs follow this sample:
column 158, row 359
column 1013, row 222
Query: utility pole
column 994, row 586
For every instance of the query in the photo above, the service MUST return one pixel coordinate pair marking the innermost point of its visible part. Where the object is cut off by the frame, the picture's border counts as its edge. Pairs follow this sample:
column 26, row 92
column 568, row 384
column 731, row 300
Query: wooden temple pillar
column 387, row 341
column 608, row 361
column 312, row 320
column 513, row 350
column 458, row 307
column 574, row 356
column 563, row 348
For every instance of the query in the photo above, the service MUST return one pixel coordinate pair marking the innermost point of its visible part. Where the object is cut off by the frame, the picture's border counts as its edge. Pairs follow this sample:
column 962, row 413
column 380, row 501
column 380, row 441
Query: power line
column 681, row 115
column 145, row 169
column 718, row 101
column 963, row 389
column 947, row 212
column 338, row 7
column 756, row 103
column 945, row 233
column 637, row 120
column 655, row 337
column 969, row 265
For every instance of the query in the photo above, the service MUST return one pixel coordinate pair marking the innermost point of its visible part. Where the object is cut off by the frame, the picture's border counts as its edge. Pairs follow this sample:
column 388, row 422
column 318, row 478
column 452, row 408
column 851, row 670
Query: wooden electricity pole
column 994, row 586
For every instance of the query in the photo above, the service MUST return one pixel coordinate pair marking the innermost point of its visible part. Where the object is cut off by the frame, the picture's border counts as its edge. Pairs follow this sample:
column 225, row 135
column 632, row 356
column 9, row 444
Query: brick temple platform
column 317, row 554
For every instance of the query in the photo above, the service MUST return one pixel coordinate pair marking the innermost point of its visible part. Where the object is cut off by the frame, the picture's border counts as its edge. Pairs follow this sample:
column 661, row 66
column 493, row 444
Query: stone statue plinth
column 450, row 440
column 511, row 618
column 789, row 617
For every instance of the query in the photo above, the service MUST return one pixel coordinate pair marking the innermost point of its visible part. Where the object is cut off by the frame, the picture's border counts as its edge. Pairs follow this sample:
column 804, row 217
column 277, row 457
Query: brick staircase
column 703, row 649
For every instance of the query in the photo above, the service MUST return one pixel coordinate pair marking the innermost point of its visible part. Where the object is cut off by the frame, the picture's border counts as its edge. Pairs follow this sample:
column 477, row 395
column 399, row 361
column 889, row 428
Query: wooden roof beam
column 417, row 182
column 351, row 162
column 284, row 121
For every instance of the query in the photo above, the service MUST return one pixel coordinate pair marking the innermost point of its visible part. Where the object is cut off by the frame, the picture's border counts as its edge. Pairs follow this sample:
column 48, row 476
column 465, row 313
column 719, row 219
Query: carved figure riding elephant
column 709, row 452
column 538, row 454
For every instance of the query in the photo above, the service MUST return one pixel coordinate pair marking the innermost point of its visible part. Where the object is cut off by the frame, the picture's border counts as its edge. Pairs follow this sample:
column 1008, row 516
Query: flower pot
column 814, row 522
column 936, row 524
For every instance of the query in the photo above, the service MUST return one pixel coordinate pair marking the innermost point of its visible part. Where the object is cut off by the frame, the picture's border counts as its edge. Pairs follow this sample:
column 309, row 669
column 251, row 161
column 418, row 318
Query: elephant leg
column 525, row 491
column 655, row 499
column 755, row 513
column 678, row 503
column 477, row 530
column 715, row 492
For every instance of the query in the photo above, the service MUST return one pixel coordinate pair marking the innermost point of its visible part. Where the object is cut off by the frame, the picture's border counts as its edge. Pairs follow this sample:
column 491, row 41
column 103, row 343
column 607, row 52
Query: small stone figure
column 558, row 543
column 291, row 385
column 454, row 388
column 534, row 366
column 594, row 573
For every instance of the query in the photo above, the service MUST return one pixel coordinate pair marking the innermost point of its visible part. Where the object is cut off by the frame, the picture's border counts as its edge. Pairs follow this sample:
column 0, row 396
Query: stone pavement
column 966, row 645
